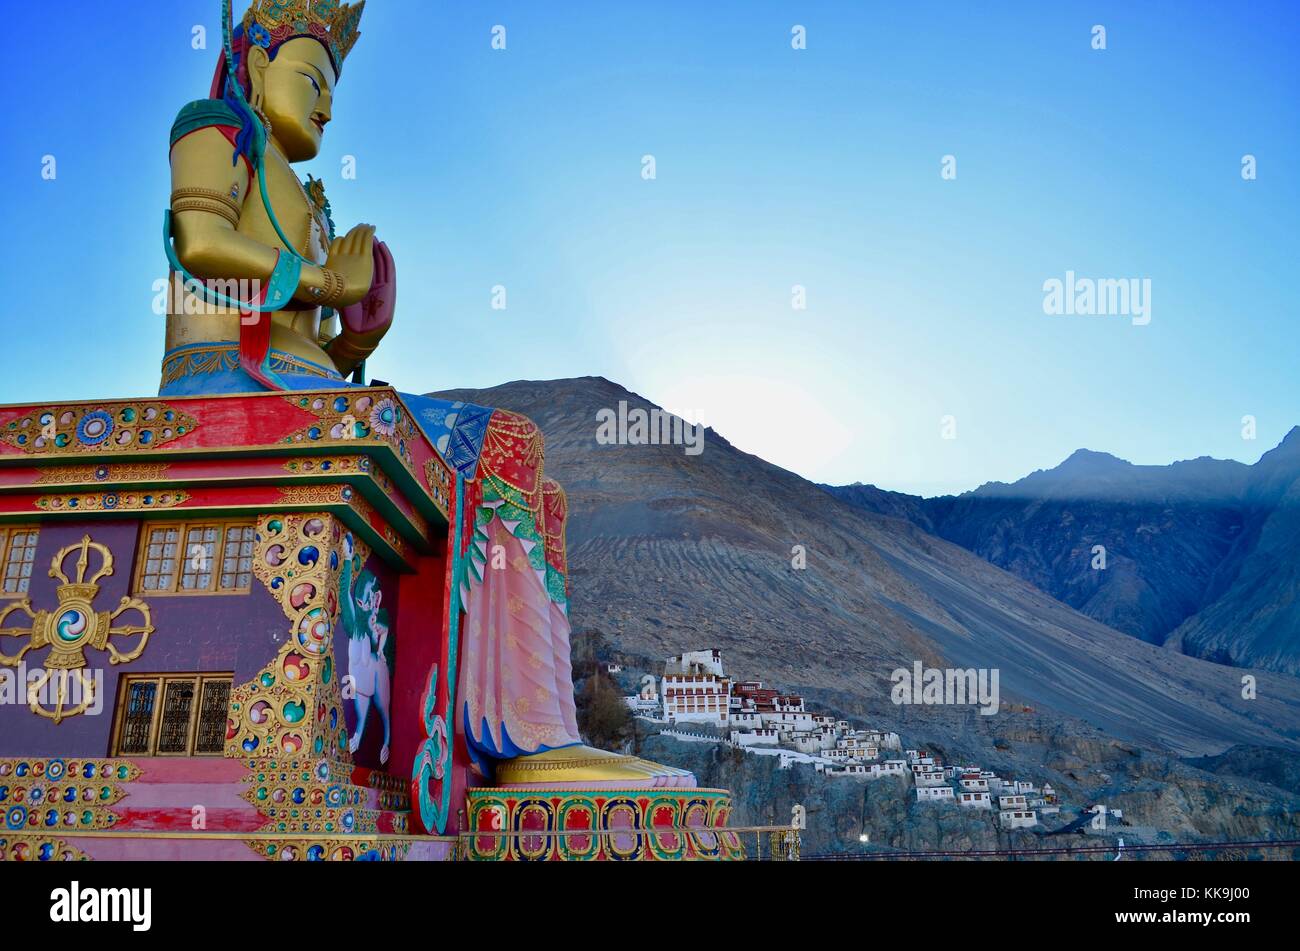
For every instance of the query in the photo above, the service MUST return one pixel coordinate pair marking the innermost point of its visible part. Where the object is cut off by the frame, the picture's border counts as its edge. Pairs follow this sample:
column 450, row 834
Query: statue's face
column 297, row 93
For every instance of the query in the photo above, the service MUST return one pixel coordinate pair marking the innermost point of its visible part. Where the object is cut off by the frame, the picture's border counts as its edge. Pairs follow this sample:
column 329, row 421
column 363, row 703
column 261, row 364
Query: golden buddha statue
column 241, row 218
column 223, row 232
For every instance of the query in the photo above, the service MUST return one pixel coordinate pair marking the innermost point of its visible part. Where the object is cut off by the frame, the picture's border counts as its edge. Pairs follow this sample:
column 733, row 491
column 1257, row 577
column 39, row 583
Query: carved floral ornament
column 103, row 428
column 68, row 630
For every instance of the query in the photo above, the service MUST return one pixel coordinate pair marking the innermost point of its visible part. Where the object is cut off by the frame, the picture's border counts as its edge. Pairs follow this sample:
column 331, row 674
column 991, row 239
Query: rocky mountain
column 1201, row 556
column 670, row 551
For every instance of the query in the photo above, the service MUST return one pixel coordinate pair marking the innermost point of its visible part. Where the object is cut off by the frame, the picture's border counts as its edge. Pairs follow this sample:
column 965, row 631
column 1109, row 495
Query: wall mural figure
column 370, row 649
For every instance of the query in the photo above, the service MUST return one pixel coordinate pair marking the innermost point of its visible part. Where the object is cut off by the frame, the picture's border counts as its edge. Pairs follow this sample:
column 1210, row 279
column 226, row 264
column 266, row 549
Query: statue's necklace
column 316, row 230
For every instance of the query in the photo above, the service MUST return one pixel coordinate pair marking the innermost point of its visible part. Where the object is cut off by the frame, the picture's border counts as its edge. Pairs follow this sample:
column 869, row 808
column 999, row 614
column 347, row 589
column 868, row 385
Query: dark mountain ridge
column 1201, row 555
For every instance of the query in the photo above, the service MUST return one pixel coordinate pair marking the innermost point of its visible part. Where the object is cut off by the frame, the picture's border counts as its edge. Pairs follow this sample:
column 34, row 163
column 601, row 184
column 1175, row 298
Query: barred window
column 157, row 570
column 172, row 715
column 18, row 545
column 200, row 555
column 135, row 723
column 237, row 557
column 195, row 558
column 210, row 723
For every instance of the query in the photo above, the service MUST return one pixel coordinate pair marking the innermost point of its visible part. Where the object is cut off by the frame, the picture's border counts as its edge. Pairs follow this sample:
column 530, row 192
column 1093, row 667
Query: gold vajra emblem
column 68, row 630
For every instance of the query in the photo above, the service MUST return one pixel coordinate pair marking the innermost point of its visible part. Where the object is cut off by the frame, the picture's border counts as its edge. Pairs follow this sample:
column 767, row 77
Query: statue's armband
column 203, row 178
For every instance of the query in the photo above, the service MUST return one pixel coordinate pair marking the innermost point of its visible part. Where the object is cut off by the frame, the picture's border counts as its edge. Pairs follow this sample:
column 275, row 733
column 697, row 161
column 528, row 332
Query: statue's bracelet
column 284, row 280
column 332, row 293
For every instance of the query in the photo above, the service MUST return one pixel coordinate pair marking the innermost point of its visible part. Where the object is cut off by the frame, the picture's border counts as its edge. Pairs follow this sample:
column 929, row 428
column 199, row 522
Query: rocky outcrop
column 1163, row 800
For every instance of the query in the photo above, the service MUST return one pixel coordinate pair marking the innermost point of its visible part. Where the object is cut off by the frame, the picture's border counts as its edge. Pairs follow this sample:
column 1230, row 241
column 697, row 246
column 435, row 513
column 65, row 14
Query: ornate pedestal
column 523, row 824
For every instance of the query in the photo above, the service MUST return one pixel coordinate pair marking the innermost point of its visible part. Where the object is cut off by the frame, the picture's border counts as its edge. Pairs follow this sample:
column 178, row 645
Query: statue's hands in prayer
column 352, row 257
column 375, row 310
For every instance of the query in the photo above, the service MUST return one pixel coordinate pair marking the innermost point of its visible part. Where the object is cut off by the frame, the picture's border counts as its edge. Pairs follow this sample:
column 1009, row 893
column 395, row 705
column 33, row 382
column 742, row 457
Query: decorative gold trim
column 321, row 468
column 199, row 360
column 298, row 558
column 116, row 472
column 438, row 482
column 328, row 493
column 524, row 764
column 17, row 846
column 293, row 848
column 205, row 205
column 348, row 417
column 130, row 501
column 110, row 427
column 207, row 194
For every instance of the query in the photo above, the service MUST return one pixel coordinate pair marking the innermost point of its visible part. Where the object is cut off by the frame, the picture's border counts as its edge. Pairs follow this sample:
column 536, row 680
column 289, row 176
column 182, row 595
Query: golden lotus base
column 571, row 767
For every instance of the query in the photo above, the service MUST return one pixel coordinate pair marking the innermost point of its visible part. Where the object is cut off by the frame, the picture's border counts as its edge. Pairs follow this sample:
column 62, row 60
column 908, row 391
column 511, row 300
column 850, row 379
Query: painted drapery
column 516, row 690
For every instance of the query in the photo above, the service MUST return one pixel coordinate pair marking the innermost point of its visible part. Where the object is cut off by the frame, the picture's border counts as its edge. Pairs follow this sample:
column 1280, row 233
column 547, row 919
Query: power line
column 1064, row 850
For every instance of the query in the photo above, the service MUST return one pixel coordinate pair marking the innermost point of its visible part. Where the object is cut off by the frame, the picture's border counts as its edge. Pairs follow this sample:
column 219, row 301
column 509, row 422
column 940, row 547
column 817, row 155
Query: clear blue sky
column 775, row 167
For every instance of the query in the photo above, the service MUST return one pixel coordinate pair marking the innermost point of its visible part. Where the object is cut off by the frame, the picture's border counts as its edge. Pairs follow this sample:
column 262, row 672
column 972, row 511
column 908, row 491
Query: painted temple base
column 225, row 809
column 179, row 809
column 523, row 824
column 259, row 587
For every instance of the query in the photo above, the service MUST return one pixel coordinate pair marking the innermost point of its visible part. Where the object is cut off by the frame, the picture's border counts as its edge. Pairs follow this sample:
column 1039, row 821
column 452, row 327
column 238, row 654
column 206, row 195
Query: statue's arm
column 205, row 226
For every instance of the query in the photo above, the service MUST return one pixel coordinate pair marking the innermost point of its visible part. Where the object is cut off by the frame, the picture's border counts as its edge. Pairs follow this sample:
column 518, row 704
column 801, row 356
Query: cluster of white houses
column 1018, row 803
column 694, row 689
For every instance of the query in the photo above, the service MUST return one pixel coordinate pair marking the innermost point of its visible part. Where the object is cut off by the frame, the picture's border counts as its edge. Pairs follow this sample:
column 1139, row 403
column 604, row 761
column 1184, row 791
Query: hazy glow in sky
column 775, row 168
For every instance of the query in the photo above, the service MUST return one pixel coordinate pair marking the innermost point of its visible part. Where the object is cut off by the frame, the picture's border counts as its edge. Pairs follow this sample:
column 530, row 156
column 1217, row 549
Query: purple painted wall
column 193, row 633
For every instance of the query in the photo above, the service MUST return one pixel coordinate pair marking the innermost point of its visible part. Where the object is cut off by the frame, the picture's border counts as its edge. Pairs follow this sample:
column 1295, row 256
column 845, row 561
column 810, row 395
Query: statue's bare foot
column 583, row 765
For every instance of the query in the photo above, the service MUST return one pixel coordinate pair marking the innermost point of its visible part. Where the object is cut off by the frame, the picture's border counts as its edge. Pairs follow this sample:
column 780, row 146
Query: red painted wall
column 421, row 631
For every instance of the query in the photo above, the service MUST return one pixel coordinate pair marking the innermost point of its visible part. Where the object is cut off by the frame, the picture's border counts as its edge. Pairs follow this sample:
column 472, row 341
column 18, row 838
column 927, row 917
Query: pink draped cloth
column 517, row 680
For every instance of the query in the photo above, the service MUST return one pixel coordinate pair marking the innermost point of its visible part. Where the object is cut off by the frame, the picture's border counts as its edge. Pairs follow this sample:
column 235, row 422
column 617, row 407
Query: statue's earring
column 255, row 103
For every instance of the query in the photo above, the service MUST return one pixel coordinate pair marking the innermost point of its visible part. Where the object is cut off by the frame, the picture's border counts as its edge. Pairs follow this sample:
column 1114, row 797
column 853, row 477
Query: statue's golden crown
column 271, row 22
